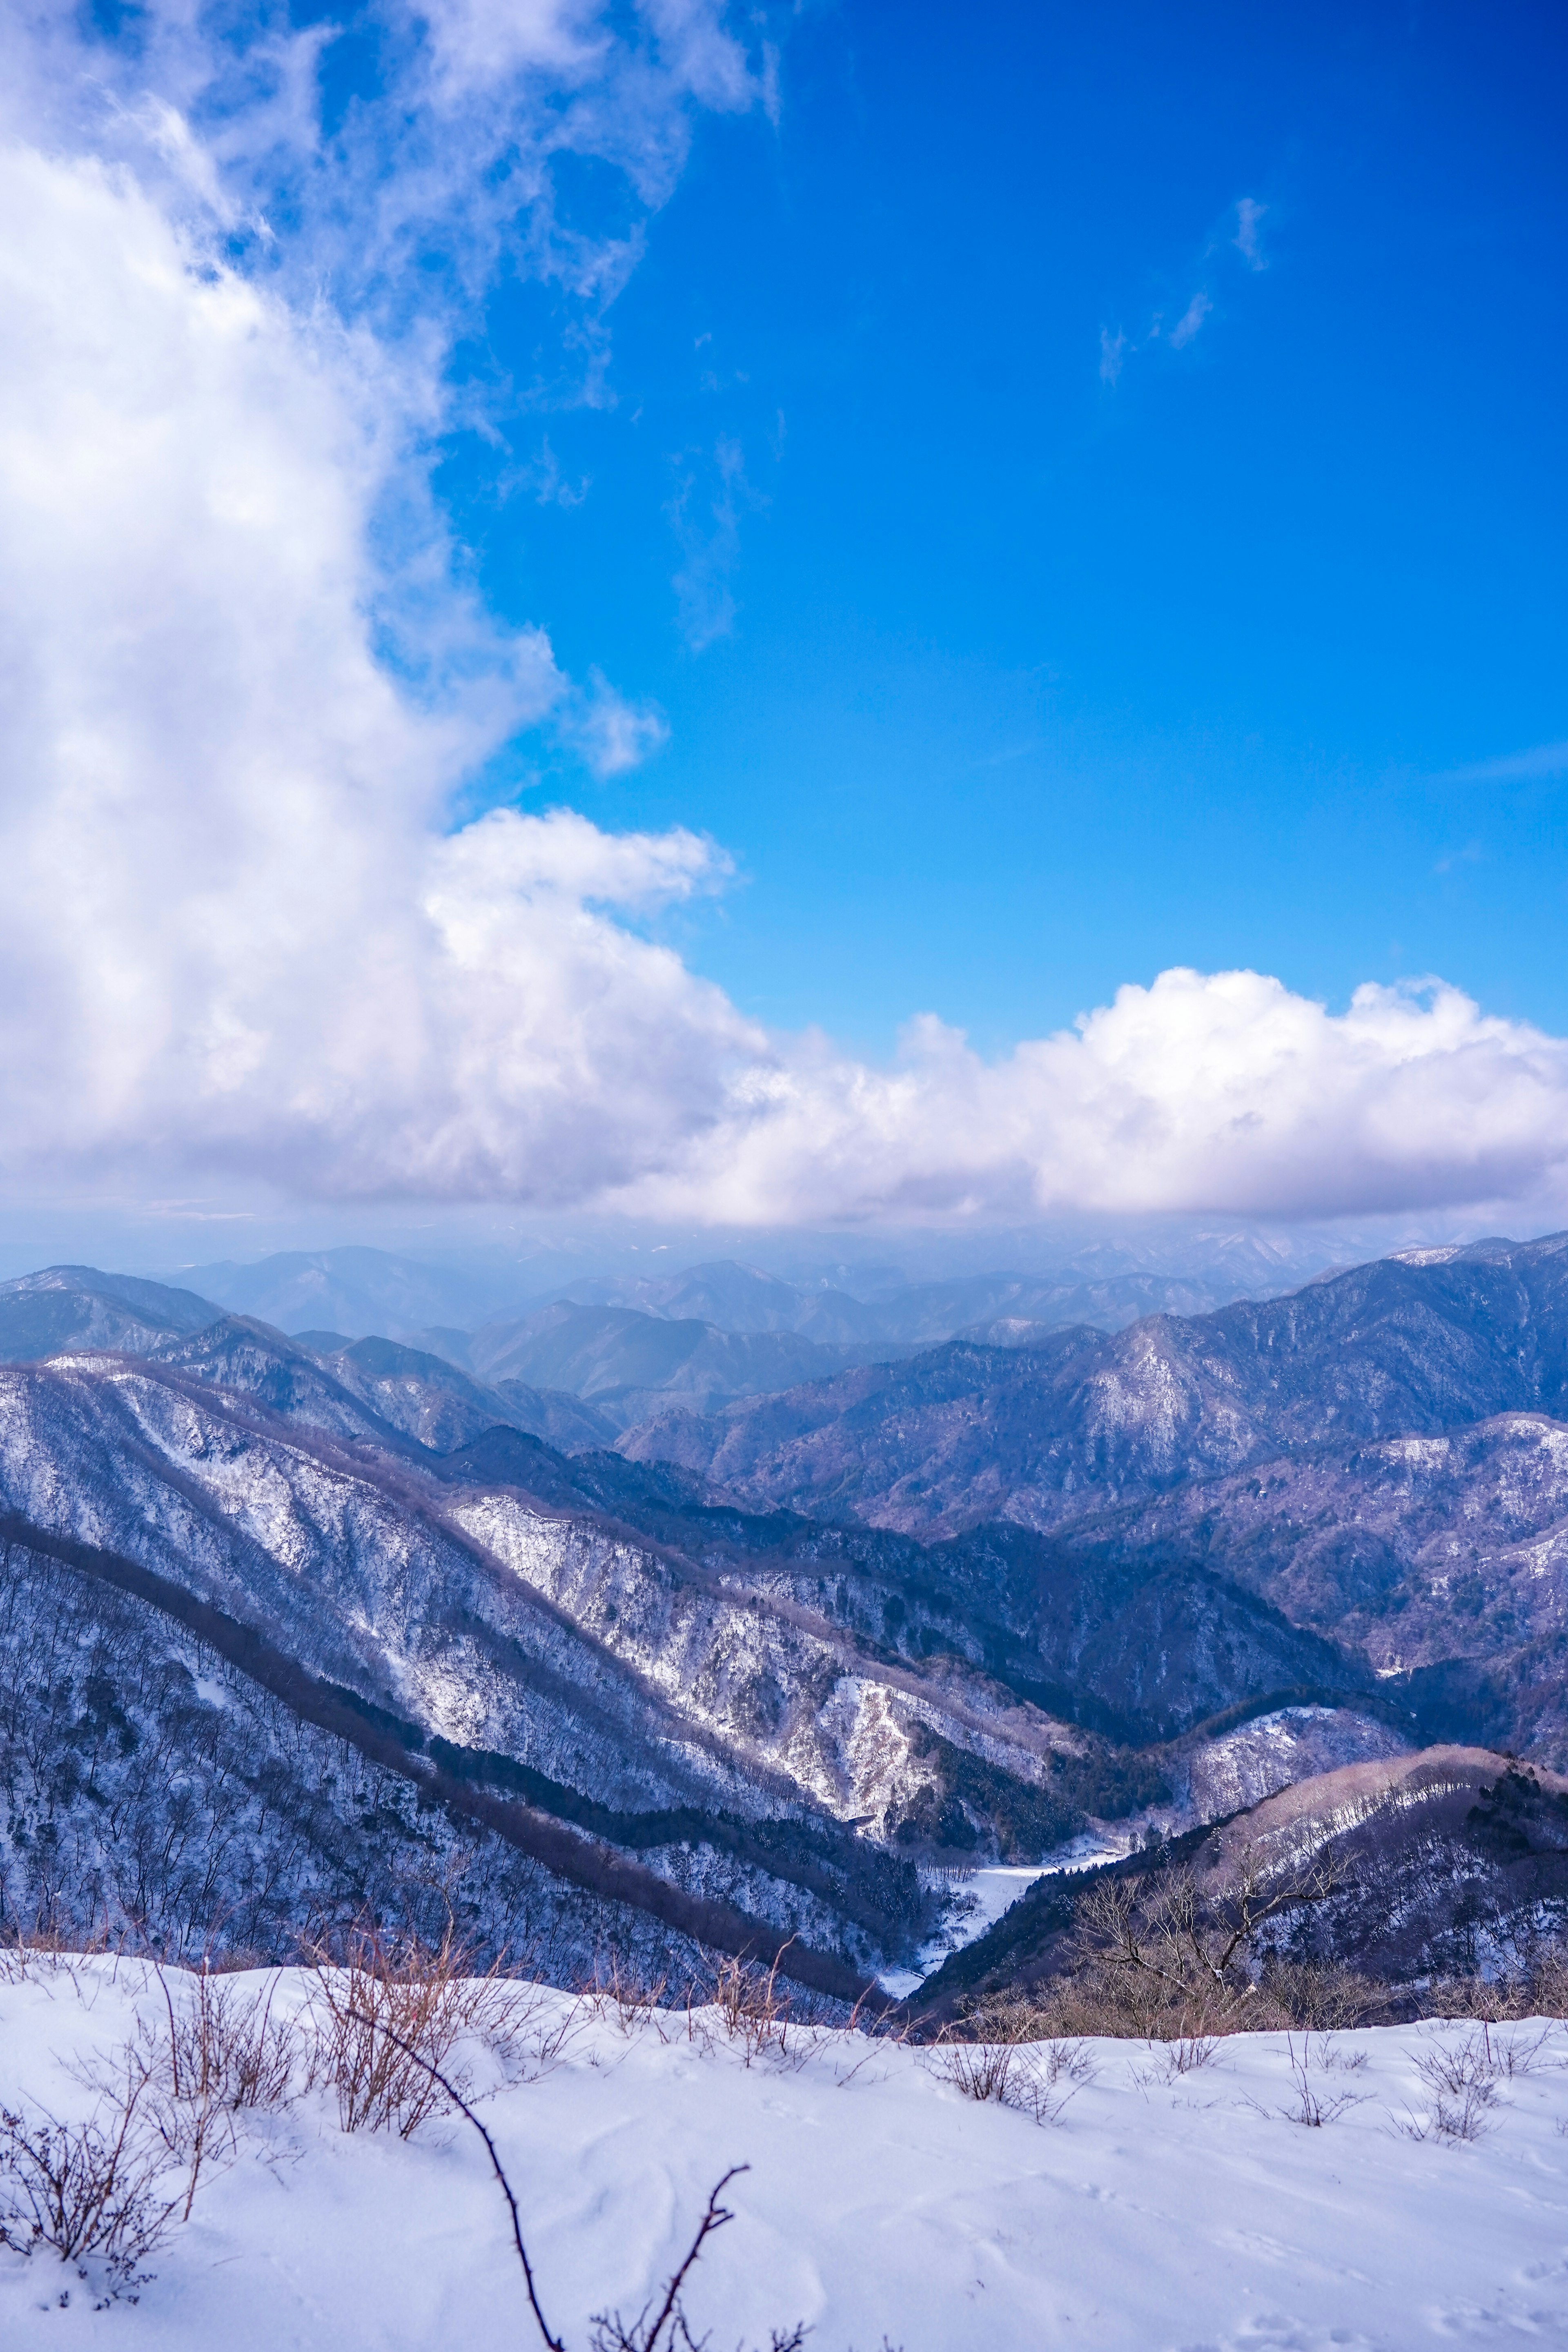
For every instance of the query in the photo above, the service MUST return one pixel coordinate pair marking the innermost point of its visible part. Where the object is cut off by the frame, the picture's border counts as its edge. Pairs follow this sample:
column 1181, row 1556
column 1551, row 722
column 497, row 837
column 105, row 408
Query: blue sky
column 1036, row 683
column 828, row 619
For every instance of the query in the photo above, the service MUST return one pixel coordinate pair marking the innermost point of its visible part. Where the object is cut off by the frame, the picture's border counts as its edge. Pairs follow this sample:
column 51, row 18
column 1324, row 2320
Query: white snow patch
column 1159, row 2212
column 980, row 1898
column 1274, row 1751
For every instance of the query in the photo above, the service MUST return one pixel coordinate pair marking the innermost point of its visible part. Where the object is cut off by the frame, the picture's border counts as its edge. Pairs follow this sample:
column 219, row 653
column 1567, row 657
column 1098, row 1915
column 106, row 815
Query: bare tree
column 1188, row 1941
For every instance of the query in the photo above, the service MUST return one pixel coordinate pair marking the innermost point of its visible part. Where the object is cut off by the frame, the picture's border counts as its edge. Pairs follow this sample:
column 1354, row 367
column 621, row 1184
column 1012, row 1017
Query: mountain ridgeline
column 605, row 1616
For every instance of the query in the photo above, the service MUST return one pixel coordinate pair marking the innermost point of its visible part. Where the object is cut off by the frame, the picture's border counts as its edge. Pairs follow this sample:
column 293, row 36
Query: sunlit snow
column 1160, row 2209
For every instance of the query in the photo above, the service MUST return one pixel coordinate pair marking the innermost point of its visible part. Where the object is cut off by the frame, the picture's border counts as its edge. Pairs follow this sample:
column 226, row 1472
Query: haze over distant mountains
column 363, row 1291
column 707, row 1333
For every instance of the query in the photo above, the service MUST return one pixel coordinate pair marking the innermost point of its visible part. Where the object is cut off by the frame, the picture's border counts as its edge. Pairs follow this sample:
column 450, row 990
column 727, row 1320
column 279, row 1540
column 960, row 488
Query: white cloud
column 1191, row 319
column 1248, row 222
column 232, row 930
column 711, row 496
column 608, row 732
column 479, row 43
column 1221, row 1092
column 241, row 680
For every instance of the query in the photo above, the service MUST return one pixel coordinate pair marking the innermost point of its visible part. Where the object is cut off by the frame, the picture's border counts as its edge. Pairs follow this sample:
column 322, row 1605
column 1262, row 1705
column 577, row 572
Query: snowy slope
column 642, row 1678
column 1179, row 2211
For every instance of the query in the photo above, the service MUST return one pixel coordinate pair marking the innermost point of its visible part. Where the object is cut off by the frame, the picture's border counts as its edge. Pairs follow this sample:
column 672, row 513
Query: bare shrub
column 1452, row 2068
column 386, row 2013
column 43, row 1950
column 99, row 2190
column 1038, row 2078
column 1522, row 2053
column 752, row 2011
column 222, row 2045
column 1048, row 2075
column 1549, row 1987
column 1490, row 2001
column 1466, row 2117
column 1168, row 1956
column 1184, row 2054
column 628, row 2001
column 1315, row 2104
column 237, row 1960
column 1316, row 1997
column 1461, row 2078
column 979, row 2070
column 1090, row 2002
column 879, row 2032
column 1000, row 2017
column 216, row 2053
column 1178, row 1952
column 1539, row 1991
column 661, row 2324
column 37, row 1960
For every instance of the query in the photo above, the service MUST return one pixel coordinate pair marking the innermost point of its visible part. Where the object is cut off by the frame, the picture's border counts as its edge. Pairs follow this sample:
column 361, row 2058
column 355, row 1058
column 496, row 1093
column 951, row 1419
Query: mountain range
column 727, row 1676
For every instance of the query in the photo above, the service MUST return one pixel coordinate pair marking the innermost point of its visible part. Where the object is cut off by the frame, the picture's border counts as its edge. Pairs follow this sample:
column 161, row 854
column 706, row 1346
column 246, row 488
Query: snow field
column 1162, row 2211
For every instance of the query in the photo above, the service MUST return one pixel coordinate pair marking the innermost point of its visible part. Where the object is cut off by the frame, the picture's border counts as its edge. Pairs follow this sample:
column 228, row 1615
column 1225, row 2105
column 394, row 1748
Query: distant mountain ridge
column 631, row 1346
column 1381, row 1454
column 743, row 1299
column 628, row 1364
column 77, row 1307
column 1084, row 1419
column 362, row 1292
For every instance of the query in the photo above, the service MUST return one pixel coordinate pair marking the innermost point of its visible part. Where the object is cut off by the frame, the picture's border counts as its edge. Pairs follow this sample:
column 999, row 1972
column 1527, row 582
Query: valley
column 781, row 1671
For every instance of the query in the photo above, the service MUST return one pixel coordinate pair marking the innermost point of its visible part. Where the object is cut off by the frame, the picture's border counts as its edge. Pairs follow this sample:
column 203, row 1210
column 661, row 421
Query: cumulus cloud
column 242, row 681
column 233, row 929
column 1202, row 1092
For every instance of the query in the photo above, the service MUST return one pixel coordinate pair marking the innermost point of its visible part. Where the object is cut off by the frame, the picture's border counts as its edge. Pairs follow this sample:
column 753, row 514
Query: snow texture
column 1159, row 2212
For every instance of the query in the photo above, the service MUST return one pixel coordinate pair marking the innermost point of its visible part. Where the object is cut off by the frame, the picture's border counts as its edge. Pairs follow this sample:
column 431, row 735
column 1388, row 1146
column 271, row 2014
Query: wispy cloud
column 711, row 495
column 1190, row 321
column 545, row 482
column 1514, row 767
column 1246, row 240
column 608, row 733
column 1237, row 234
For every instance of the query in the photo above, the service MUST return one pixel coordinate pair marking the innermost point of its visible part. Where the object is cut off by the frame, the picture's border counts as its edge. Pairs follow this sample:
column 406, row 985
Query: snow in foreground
column 1158, row 2210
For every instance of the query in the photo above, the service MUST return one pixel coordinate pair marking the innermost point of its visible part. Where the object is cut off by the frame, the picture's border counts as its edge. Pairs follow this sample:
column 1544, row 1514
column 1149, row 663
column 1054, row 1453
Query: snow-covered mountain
column 1448, row 1864
column 1379, row 1456
column 1407, row 1346
column 1189, row 1564
column 718, row 1704
column 77, row 1307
